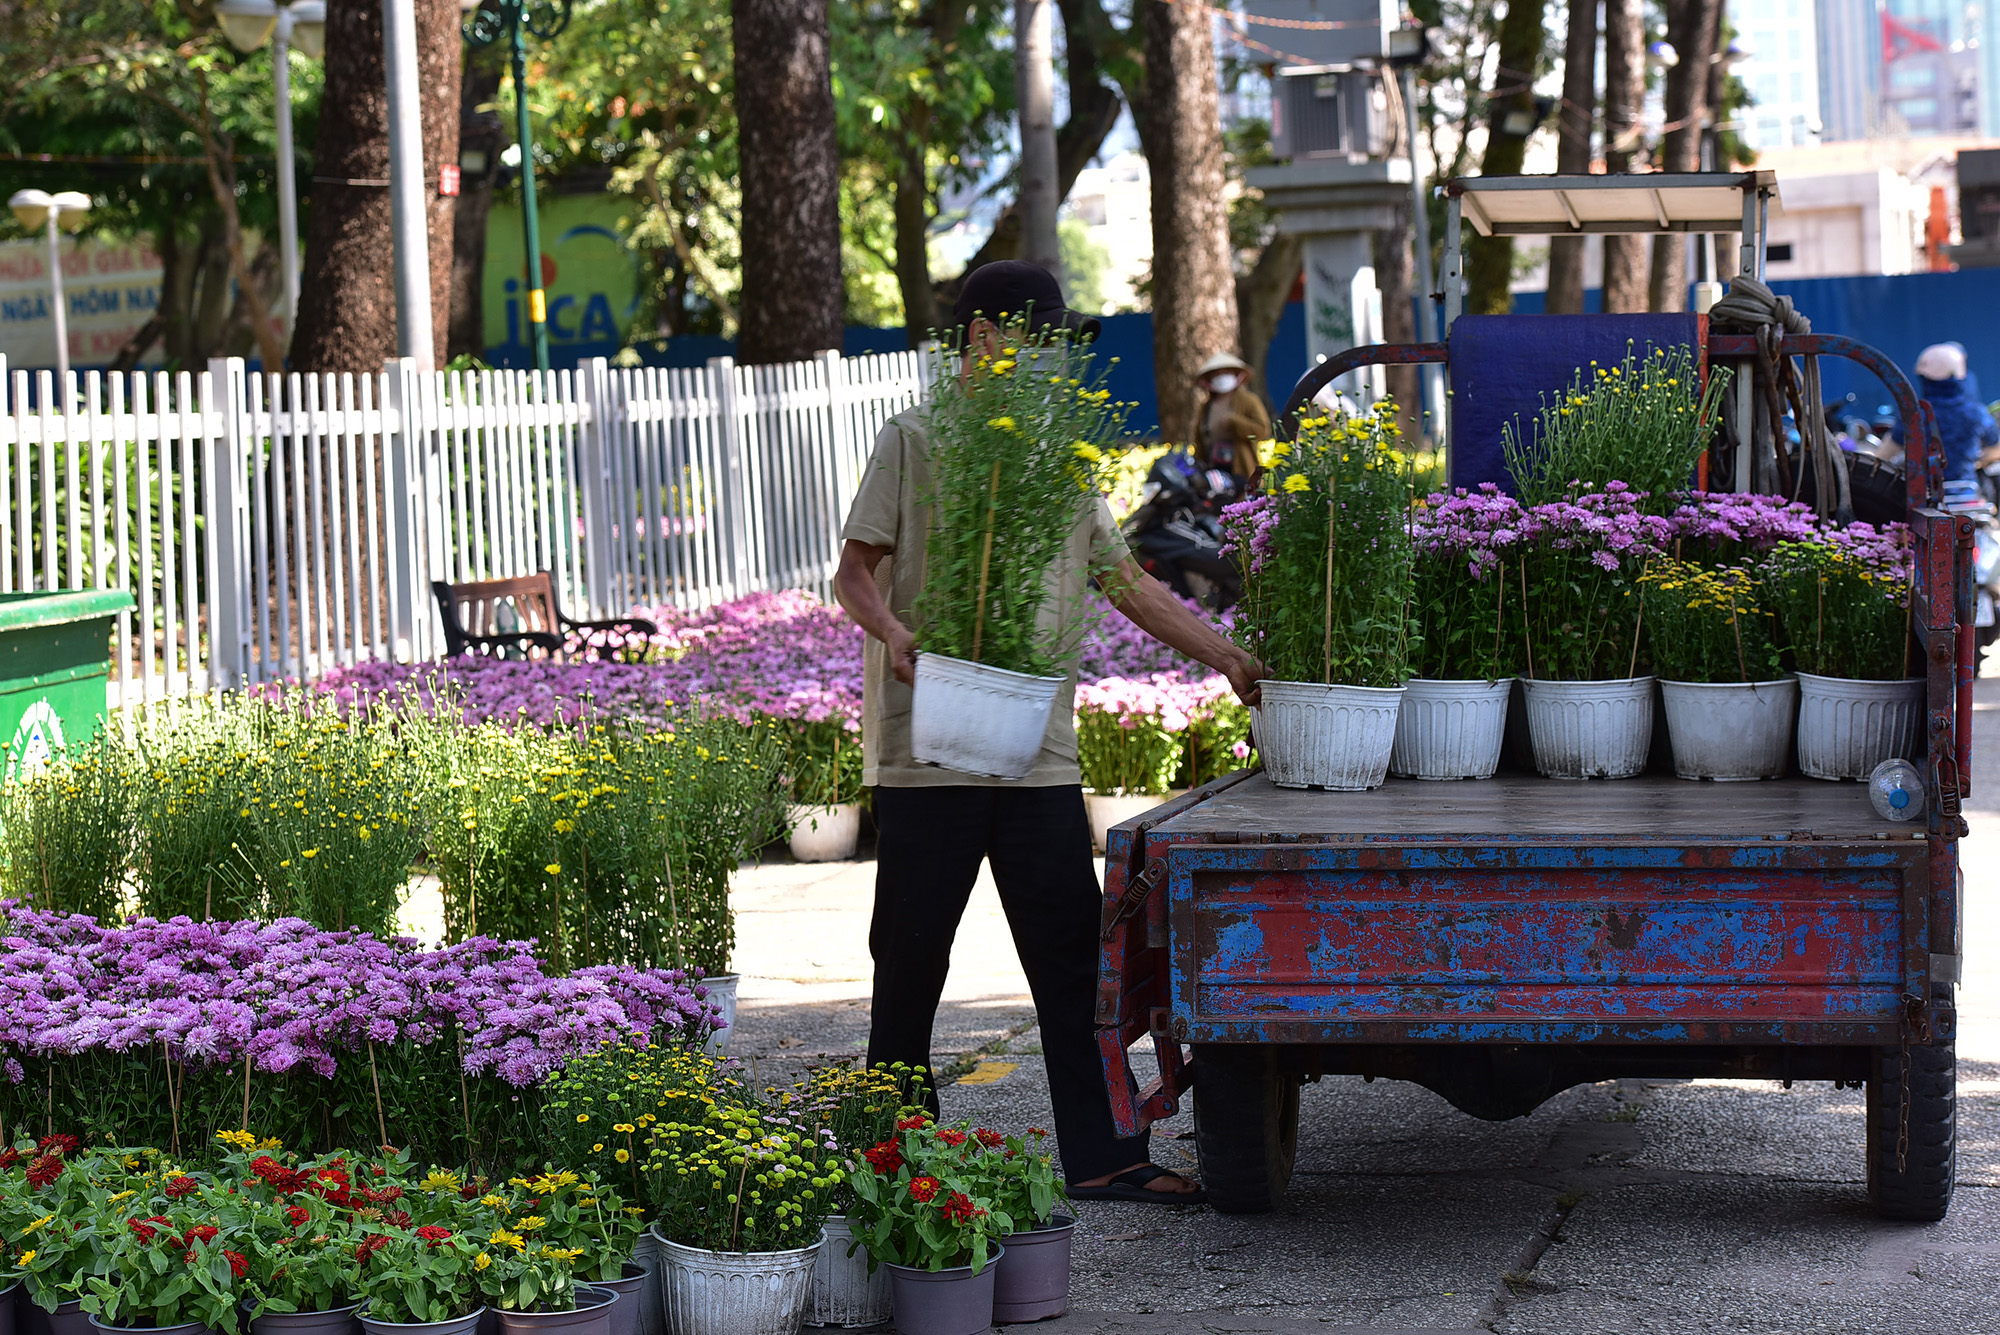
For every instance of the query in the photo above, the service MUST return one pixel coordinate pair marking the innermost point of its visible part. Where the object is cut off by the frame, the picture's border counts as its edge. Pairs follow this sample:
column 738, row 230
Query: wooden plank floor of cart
column 1520, row 806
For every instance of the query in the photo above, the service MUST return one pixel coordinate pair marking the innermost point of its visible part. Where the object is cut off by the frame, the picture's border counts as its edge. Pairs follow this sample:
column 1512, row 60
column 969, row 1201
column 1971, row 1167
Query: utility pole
column 1034, row 86
column 408, row 223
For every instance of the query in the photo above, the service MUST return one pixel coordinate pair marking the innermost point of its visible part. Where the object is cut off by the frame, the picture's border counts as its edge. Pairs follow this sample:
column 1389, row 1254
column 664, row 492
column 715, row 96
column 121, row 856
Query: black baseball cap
column 1011, row 289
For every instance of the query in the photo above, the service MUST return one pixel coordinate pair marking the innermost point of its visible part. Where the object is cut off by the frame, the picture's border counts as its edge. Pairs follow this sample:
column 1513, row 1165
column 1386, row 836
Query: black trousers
column 932, row 841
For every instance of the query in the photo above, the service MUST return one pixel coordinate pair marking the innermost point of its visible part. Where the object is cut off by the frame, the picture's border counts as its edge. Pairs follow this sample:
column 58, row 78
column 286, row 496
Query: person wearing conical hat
column 1232, row 418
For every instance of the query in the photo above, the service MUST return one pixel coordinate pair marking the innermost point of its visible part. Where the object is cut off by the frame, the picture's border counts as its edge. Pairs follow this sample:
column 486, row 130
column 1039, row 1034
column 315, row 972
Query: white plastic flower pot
column 843, row 1292
column 722, row 995
column 826, row 834
column 735, row 1293
column 1731, row 730
column 1450, row 729
column 1311, row 735
column 1109, row 809
column 1848, row 727
column 978, row 719
column 1590, row 729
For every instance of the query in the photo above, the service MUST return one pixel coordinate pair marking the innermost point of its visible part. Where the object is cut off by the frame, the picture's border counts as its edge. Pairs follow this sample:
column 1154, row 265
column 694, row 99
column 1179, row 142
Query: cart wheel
column 1246, row 1125
column 1922, row 1189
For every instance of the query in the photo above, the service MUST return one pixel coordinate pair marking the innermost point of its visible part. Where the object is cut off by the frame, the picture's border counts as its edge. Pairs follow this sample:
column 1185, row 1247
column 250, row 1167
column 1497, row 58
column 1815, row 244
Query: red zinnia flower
column 181, row 1185
column 467, row 1192
column 913, row 1122
column 44, row 1169
column 924, row 1188
column 278, row 1177
column 8, row 1158
column 60, row 1144
column 237, row 1265
column 368, row 1246
column 952, row 1138
column 959, row 1209
column 433, row 1235
column 144, row 1229
column 885, row 1158
column 199, row 1233
column 331, row 1183
column 992, row 1140
column 298, row 1214
column 396, row 1218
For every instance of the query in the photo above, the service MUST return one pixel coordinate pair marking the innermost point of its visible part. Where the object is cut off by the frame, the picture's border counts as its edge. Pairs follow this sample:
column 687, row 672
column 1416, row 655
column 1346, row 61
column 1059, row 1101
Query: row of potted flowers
column 123, row 1239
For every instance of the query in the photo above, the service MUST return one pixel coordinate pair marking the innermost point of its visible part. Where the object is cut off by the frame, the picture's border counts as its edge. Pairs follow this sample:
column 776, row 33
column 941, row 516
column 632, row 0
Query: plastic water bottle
column 1897, row 790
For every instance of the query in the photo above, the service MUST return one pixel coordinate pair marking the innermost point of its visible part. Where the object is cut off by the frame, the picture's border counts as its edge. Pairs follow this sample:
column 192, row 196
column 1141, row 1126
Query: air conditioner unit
column 1319, row 113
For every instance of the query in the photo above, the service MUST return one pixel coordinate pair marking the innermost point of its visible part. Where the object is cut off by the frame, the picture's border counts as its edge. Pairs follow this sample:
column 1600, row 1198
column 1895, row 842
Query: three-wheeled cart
column 1501, row 940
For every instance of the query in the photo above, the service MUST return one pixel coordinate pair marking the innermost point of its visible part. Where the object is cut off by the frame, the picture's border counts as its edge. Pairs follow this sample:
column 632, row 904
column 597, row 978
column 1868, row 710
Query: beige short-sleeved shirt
column 888, row 511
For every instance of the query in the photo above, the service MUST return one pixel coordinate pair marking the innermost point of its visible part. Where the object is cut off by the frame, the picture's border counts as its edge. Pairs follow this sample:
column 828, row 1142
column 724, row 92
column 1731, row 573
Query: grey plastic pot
column 338, row 1321
column 631, row 1289
column 183, row 1328
column 458, row 1325
column 1031, row 1283
column 651, row 1308
column 68, row 1319
column 590, row 1316
column 944, row 1302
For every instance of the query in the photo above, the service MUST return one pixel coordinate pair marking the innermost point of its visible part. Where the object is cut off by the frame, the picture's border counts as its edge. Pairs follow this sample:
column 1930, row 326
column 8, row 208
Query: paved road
column 1629, row 1206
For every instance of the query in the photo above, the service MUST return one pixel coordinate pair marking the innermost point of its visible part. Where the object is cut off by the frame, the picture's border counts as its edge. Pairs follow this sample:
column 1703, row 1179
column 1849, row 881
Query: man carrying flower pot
column 937, row 825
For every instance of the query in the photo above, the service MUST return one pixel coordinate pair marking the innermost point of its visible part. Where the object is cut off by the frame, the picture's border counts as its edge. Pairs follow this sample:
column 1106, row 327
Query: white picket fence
column 279, row 526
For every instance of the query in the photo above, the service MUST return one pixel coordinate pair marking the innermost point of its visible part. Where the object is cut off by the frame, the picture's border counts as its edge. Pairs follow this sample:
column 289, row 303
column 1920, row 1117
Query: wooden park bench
column 475, row 623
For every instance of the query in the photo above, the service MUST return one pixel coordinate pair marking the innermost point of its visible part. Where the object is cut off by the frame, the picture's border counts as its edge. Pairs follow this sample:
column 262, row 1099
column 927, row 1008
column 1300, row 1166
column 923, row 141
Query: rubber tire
column 1922, row 1191
column 1246, row 1125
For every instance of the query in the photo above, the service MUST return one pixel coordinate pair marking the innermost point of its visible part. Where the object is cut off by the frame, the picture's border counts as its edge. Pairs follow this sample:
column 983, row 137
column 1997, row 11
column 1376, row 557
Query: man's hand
column 903, row 654
column 1243, row 676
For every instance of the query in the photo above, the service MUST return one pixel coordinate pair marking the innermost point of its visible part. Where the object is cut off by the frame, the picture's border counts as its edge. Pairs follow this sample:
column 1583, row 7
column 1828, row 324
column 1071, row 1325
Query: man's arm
column 1150, row 606
column 854, row 586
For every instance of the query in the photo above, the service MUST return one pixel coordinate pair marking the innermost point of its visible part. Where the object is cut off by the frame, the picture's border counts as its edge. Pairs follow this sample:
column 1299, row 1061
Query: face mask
column 1224, row 382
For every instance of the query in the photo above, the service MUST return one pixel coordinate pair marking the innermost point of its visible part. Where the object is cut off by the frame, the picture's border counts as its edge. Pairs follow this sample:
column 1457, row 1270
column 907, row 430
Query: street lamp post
column 65, row 209
column 486, row 26
column 249, row 24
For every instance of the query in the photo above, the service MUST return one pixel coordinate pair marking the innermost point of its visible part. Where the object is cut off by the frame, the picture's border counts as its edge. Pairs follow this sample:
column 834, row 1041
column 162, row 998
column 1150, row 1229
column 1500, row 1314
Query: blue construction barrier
column 1901, row 314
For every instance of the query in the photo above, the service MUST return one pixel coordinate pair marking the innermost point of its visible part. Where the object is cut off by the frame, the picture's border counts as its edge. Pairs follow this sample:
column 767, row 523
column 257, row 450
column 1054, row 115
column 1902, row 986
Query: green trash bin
column 55, row 664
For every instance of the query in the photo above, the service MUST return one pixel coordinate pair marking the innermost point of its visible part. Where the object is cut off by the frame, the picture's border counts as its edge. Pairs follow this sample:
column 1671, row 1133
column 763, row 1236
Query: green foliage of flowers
column 741, row 1179
column 1708, row 625
column 1134, row 753
column 1018, row 449
column 1326, row 556
column 614, row 847
column 1843, row 616
column 598, row 1110
column 822, row 761
column 935, row 1198
column 66, row 831
column 1643, row 422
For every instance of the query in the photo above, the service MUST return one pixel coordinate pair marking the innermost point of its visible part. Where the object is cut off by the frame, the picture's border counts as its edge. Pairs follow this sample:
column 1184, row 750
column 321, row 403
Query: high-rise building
column 1781, row 72
column 1850, row 69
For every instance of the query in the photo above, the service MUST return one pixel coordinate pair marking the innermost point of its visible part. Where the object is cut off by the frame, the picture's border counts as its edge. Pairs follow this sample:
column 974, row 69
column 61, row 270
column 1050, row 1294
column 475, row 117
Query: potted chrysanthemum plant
column 1845, row 605
column 1468, row 644
column 1729, row 704
column 743, row 1194
column 1325, row 555
column 1017, row 460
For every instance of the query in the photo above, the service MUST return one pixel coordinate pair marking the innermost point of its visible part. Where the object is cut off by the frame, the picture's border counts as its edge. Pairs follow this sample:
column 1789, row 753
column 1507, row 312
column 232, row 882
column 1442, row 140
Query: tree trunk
column 440, row 58
column 478, row 132
column 921, row 315
column 347, row 294
column 1573, row 125
column 1691, row 29
column 792, row 297
column 1260, row 304
column 1194, row 290
column 1625, row 257
column 1490, row 259
column 1093, row 112
column 1399, row 316
column 1034, row 92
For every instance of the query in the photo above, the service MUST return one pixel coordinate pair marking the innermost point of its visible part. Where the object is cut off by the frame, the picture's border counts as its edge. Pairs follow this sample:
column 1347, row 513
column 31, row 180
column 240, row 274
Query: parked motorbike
column 1176, row 532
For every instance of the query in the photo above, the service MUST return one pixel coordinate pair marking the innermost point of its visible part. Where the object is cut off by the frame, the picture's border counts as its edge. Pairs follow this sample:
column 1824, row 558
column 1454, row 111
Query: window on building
column 1917, row 108
column 1778, row 252
column 1904, row 75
